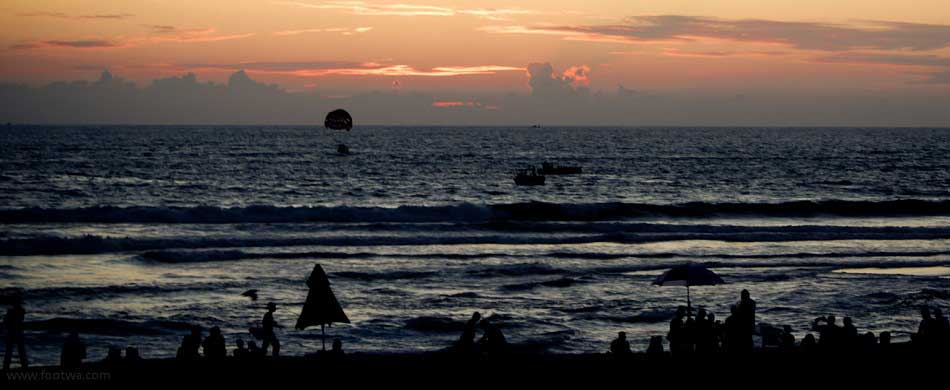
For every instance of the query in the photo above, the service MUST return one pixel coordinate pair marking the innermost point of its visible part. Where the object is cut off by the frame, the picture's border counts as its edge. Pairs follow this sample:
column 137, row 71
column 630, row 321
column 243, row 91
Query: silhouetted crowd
column 699, row 335
column 704, row 335
column 194, row 346
column 492, row 343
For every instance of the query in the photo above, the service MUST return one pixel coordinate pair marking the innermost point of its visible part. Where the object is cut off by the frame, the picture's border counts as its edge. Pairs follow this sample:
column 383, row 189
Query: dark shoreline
column 899, row 362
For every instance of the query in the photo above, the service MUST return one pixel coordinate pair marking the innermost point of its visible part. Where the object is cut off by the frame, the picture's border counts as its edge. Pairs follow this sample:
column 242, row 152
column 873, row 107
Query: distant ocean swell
column 91, row 244
column 173, row 256
column 467, row 212
column 551, row 277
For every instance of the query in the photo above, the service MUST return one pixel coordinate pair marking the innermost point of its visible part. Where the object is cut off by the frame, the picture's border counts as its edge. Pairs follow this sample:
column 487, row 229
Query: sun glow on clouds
column 461, row 104
column 341, row 30
column 364, row 69
column 401, row 9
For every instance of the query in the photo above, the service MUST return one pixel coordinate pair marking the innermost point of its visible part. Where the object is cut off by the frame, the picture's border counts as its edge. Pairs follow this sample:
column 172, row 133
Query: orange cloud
column 61, row 15
column 319, row 69
column 341, row 30
column 579, row 75
column 400, row 9
column 162, row 34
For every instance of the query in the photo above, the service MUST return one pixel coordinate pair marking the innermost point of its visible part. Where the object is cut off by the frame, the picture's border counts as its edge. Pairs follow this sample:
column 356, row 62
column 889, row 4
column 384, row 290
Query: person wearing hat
column 267, row 330
column 13, row 322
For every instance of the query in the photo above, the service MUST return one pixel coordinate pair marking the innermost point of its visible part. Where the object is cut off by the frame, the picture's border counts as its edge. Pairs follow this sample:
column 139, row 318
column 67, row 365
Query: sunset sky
column 467, row 53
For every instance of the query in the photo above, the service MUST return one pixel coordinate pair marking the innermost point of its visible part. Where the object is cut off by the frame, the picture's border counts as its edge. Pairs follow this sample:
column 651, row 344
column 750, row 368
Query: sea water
column 131, row 234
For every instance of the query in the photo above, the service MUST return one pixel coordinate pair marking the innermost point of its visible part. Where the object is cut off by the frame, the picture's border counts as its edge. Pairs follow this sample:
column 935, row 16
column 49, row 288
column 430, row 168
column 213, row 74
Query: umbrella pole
column 324, row 338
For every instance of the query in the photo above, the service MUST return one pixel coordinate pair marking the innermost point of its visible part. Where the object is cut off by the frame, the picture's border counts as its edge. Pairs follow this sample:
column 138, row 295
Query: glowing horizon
column 467, row 51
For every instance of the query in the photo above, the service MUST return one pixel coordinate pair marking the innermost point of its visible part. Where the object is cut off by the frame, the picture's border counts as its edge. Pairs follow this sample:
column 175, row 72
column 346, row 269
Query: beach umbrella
column 338, row 119
column 689, row 274
column 321, row 307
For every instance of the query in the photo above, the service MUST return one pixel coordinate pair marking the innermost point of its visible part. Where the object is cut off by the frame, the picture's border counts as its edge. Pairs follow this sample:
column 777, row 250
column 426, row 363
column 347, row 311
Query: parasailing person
column 339, row 120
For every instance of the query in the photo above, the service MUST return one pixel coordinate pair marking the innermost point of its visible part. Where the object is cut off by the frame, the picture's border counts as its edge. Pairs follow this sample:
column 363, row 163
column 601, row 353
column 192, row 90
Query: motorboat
column 529, row 177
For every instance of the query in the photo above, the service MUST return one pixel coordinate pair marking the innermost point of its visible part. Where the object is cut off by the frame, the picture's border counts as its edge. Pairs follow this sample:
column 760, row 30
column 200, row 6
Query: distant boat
column 529, row 177
column 552, row 169
column 535, row 126
column 342, row 149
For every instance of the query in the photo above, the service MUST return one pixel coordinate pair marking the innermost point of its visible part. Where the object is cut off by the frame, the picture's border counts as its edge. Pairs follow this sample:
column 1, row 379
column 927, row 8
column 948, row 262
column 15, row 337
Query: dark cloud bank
column 554, row 100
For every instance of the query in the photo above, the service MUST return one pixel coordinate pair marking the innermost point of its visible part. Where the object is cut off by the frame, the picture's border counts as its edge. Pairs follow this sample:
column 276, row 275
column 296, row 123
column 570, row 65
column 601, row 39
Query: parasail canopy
column 338, row 119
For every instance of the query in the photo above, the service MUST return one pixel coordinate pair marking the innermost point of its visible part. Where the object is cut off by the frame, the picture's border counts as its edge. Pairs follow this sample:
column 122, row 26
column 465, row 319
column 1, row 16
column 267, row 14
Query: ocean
column 130, row 234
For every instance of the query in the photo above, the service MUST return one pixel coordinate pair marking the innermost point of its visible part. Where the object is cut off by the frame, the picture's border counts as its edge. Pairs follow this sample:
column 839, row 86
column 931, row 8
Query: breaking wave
column 473, row 213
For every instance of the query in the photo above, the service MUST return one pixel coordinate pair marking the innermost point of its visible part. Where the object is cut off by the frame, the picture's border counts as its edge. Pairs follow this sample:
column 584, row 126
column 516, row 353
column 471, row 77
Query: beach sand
column 453, row 370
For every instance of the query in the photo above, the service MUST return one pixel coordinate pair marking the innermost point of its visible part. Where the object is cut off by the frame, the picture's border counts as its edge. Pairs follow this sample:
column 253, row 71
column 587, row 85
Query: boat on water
column 552, row 169
column 529, row 177
column 342, row 149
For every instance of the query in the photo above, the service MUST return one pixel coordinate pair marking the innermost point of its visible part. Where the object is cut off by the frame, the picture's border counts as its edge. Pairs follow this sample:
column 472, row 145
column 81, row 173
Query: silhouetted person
column 849, row 334
column 746, row 309
column 941, row 330
column 132, row 355
column 337, row 350
column 922, row 337
column 268, row 337
column 689, row 335
column 787, row 339
column 809, row 345
column 884, row 342
column 676, row 335
column 493, row 341
column 190, row 344
column 13, row 322
column 253, row 351
column 715, row 333
column 74, row 351
column 114, row 357
column 239, row 352
column 620, row 347
column 466, row 342
column 700, row 332
column 214, row 346
column 828, row 333
column 655, row 350
column 868, row 343
column 738, row 333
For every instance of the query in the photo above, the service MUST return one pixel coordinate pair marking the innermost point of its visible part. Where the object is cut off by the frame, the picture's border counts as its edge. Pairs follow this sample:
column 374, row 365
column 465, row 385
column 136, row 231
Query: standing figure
column 74, row 351
column 190, row 344
column 747, row 310
column 268, row 337
column 676, row 335
column 466, row 343
column 13, row 321
column 214, row 345
column 493, row 341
